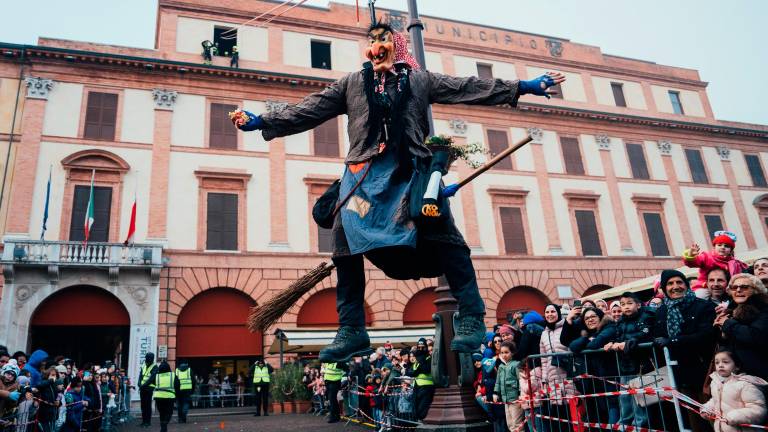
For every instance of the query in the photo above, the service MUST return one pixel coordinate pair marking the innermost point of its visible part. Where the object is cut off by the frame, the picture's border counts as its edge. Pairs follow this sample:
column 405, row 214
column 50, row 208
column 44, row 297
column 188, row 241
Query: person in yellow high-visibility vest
column 146, row 387
column 261, row 374
column 166, row 385
column 424, row 390
column 332, row 375
column 186, row 387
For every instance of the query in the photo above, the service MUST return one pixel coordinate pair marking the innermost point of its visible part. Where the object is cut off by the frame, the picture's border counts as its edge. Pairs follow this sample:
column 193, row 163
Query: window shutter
column 590, row 240
column 222, row 221
column 102, row 207
column 756, row 170
column 558, row 91
column 618, row 94
column 513, row 230
column 222, row 134
column 637, row 161
column 655, row 231
column 324, row 240
column 100, row 116
column 572, row 156
column 714, row 223
column 484, row 71
column 497, row 143
column 327, row 138
column 696, row 164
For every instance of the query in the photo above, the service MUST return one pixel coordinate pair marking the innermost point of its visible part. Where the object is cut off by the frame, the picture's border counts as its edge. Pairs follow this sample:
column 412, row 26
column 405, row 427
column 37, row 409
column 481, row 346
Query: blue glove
column 449, row 190
column 14, row 396
column 254, row 123
column 534, row 86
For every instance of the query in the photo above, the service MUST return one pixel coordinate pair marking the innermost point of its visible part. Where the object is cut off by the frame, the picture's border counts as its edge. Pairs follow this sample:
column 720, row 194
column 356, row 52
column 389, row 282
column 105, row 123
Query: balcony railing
column 77, row 253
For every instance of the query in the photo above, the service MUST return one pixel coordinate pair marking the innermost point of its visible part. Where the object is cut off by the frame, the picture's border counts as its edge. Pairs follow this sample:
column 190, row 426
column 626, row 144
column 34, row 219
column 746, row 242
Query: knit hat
column 506, row 329
column 61, row 369
column 724, row 237
column 614, row 303
column 532, row 317
column 666, row 275
column 11, row 368
column 477, row 357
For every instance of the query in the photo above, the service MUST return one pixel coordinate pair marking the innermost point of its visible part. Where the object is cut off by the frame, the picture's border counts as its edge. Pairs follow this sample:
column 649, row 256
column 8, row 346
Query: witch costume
column 387, row 104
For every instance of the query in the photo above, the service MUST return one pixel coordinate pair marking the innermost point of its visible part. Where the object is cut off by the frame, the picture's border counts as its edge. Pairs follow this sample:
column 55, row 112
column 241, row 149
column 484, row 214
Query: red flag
column 132, row 226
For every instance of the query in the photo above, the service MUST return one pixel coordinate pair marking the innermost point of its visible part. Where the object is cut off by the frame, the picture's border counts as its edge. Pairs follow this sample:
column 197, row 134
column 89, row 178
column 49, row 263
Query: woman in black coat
column 744, row 324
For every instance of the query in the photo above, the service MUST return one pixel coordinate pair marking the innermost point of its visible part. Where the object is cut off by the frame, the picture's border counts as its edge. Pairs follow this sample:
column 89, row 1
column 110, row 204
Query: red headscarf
column 401, row 51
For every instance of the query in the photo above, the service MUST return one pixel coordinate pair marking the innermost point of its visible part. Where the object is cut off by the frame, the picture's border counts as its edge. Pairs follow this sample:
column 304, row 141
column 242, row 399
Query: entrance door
column 84, row 323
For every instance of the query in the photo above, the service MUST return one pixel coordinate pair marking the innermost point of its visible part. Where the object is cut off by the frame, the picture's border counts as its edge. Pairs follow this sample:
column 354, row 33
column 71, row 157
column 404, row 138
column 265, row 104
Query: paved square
column 248, row 423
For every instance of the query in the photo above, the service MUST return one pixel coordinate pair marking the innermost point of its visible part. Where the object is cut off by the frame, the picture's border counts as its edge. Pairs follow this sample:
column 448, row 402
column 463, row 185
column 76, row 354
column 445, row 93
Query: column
column 547, row 204
column 604, row 146
column 665, row 148
column 165, row 101
column 25, row 168
column 468, row 203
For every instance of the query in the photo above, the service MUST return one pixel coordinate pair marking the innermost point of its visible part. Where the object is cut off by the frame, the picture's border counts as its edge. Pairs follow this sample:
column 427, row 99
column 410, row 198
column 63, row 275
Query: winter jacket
column 507, row 381
column 553, row 368
column 531, row 337
column 48, row 393
column 7, row 404
column 75, row 410
column 738, row 400
column 598, row 364
column 632, row 330
column 708, row 260
column 571, row 331
column 746, row 334
column 694, row 347
column 33, row 366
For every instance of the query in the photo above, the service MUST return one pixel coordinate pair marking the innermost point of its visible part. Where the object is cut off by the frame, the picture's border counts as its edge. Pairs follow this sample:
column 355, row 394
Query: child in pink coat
column 736, row 398
column 721, row 256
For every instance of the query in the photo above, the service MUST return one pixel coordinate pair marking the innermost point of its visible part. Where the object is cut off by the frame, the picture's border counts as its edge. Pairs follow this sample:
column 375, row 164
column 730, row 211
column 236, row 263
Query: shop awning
column 647, row 283
column 313, row 340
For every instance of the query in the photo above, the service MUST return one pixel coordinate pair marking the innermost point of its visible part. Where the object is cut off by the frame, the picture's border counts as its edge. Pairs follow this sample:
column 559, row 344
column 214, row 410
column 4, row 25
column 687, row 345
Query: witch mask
column 381, row 51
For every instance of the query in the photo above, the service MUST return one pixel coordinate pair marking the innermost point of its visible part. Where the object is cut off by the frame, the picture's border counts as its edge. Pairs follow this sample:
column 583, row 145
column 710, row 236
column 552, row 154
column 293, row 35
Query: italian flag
column 89, row 212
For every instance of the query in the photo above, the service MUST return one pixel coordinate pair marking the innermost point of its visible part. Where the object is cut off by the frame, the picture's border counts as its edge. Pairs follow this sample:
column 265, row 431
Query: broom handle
column 508, row 151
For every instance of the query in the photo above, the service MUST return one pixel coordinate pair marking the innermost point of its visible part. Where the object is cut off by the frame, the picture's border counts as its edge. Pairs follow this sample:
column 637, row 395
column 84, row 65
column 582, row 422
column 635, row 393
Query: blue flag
column 47, row 201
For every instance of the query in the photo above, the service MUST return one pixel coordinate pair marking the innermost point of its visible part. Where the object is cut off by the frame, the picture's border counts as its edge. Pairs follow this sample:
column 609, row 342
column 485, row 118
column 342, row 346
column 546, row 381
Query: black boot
column 349, row 342
column 469, row 334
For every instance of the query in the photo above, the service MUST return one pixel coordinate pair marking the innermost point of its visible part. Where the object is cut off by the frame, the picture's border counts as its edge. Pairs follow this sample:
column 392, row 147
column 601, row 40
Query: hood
column 183, row 367
column 37, row 358
column 489, row 336
column 533, row 317
column 757, row 381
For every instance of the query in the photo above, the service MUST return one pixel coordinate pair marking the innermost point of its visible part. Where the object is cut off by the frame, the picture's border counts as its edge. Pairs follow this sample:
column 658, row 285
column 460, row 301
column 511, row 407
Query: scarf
column 674, row 312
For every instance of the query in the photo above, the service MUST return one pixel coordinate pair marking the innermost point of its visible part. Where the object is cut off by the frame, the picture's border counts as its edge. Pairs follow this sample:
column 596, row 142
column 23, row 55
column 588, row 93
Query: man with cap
column 332, row 375
column 147, row 376
column 261, row 374
column 684, row 325
column 186, row 387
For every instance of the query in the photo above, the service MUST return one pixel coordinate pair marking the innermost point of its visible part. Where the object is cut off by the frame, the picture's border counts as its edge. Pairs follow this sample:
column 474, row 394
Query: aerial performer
column 387, row 103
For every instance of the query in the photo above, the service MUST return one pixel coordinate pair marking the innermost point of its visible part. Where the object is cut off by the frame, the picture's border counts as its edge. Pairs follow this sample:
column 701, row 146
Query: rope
column 224, row 34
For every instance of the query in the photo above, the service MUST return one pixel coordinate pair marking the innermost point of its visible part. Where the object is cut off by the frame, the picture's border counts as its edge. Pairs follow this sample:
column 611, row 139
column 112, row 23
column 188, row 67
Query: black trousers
column 262, row 397
column 182, row 405
column 146, row 405
column 165, row 409
column 331, row 390
column 455, row 264
column 422, row 396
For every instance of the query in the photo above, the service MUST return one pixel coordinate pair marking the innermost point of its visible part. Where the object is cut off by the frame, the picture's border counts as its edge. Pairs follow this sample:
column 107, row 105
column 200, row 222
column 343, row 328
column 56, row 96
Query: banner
column 142, row 341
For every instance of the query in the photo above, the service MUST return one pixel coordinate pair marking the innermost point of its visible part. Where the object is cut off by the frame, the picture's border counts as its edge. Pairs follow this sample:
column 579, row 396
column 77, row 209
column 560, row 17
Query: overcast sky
column 724, row 40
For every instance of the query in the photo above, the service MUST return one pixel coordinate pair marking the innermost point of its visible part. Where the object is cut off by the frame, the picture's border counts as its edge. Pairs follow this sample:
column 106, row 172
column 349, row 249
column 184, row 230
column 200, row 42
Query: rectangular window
column 324, row 240
column 756, row 170
column 102, row 206
column 618, row 94
column 637, row 161
column 497, row 143
column 590, row 239
column 222, row 134
column 572, row 156
column 101, row 116
column 677, row 106
column 714, row 223
column 321, row 54
column 222, row 221
column 513, row 230
column 484, row 71
column 696, row 164
column 326, row 137
column 224, row 39
column 655, row 231
column 557, row 91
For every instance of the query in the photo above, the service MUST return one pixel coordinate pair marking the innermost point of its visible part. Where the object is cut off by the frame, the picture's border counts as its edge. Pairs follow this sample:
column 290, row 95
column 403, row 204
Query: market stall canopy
column 644, row 284
column 313, row 340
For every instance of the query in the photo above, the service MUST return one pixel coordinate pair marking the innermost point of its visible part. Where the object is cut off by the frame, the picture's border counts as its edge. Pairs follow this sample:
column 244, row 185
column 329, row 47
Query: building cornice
column 32, row 53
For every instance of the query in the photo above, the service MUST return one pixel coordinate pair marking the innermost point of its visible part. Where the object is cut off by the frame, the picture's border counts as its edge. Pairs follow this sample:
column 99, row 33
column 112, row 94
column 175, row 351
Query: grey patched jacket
column 347, row 96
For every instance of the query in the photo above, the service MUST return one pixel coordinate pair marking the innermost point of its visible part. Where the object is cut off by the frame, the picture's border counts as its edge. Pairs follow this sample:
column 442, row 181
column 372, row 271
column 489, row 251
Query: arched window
column 520, row 298
column 594, row 289
column 320, row 311
column 419, row 309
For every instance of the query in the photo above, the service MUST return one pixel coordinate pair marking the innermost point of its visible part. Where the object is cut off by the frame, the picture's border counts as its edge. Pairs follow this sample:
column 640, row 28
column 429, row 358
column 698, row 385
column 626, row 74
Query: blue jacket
column 75, row 410
column 33, row 366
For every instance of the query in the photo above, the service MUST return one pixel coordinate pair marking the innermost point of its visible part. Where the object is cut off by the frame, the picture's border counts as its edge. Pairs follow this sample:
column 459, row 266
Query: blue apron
column 376, row 215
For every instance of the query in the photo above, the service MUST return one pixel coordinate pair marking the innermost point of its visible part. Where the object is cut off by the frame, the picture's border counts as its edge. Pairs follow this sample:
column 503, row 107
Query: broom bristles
column 265, row 315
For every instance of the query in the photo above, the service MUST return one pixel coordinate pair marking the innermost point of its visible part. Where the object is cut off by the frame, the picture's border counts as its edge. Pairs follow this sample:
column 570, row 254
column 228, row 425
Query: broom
column 265, row 315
